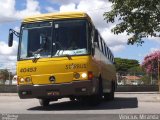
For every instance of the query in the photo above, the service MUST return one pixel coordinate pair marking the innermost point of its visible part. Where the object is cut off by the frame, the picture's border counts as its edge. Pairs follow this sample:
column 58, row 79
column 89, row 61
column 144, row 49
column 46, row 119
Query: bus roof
column 54, row 16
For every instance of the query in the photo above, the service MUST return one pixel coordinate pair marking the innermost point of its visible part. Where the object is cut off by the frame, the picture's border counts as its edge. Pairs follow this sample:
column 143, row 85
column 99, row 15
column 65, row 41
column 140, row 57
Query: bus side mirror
column 10, row 39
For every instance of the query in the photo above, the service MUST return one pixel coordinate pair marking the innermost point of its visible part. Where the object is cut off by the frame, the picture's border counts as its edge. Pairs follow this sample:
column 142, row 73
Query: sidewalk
column 8, row 94
column 141, row 96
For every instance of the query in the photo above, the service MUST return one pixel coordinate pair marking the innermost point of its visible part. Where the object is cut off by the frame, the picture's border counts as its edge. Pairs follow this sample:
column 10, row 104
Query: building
column 132, row 80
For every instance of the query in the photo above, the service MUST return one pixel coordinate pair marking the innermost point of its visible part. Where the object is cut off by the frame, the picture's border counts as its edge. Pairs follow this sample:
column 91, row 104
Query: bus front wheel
column 44, row 102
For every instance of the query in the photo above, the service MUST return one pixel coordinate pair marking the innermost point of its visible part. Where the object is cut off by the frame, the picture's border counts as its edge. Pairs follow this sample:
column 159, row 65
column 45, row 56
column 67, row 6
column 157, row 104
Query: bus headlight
column 22, row 80
column 84, row 75
column 26, row 80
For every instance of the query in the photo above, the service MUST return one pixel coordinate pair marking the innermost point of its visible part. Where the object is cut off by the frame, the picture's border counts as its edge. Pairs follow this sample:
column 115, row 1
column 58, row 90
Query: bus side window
column 101, row 45
column 105, row 46
column 109, row 54
column 90, row 34
column 99, row 42
column 95, row 36
column 111, row 58
column 104, row 50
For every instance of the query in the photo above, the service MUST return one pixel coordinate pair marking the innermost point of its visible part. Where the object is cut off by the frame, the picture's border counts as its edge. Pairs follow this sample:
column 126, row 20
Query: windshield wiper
column 36, row 55
column 66, row 55
column 37, row 51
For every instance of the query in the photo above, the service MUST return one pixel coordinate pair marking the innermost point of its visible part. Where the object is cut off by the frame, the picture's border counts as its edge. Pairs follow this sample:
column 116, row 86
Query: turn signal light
column 28, row 79
column 76, row 75
column 90, row 75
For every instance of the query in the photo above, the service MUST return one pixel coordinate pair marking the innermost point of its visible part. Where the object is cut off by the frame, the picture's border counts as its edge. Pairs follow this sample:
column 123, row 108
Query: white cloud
column 8, row 11
column 51, row 9
column 156, row 39
column 68, row 7
column 112, row 39
column 64, row 2
column 32, row 8
column 8, row 55
column 117, row 48
column 5, row 50
column 154, row 49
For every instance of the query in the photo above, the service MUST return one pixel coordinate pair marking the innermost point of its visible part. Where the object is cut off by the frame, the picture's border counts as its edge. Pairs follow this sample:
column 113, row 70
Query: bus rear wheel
column 110, row 96
column 44, row 102
column 96, row 98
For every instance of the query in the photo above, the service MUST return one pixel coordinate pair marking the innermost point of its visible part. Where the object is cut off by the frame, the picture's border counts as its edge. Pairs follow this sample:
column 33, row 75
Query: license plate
column 53, row 93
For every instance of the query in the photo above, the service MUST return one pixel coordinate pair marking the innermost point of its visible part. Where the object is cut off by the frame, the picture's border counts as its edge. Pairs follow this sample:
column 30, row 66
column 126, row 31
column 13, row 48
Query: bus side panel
column 106, row 69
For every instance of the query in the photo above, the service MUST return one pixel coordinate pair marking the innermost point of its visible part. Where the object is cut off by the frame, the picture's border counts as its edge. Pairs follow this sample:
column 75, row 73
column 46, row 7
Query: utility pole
column 159, row 73
column 151, row 73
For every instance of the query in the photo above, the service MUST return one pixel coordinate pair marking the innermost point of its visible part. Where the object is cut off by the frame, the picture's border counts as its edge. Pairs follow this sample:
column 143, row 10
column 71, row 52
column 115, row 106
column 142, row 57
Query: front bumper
column 75, row 88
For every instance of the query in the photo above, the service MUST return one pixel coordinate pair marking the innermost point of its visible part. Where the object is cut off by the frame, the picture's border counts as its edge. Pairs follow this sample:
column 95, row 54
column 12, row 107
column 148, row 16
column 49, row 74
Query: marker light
column 84, row 75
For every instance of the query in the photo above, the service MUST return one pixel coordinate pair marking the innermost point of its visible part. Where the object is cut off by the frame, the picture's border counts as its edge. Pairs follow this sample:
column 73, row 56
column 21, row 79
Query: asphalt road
column 124, row 103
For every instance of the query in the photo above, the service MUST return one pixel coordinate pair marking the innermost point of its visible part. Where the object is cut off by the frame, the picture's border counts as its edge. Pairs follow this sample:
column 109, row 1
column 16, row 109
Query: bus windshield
column 53, row 39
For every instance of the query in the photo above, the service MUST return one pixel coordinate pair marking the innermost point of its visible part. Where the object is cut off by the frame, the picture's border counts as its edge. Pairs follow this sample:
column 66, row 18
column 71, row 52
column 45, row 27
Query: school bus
column 63, row 55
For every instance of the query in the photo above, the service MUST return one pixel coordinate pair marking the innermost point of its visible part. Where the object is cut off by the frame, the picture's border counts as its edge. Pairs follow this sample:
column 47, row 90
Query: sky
column 13, row 11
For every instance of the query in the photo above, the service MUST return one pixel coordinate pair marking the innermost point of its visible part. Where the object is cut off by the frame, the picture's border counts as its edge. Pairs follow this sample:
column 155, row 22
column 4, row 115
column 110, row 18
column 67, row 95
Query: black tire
column 72, row 98
column 95, row 99
column 110, row 96
column 44, row 102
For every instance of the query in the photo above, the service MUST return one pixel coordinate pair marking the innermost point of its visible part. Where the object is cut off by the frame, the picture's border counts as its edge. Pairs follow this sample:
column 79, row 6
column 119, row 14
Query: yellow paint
column 47, row 67
column 55, row 16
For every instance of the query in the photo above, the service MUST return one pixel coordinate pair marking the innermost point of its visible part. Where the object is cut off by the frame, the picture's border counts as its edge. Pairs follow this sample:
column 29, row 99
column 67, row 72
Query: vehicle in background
column 14, row 80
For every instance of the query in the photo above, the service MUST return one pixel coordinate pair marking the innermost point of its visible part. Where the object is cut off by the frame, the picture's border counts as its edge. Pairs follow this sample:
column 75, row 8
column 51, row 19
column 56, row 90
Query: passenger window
column 99, row 42
column 104, row 48
column 107, row 52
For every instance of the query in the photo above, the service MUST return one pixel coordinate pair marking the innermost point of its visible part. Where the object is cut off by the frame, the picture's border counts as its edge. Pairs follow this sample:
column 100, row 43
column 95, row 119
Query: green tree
column 5, row 74
column 123, row 65
column 137, row 70
column 139, row 18
column 146, row 79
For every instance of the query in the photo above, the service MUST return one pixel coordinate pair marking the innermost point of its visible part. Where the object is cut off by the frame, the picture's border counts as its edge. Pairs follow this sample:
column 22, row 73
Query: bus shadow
column 118, row 103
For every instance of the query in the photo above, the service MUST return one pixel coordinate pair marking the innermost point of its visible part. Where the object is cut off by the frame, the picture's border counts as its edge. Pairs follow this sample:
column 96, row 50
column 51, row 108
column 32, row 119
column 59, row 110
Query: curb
column 137, row 93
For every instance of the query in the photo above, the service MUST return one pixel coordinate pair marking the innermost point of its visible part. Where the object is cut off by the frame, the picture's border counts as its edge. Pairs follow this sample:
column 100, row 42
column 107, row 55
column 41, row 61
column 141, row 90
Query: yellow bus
column 63, row 55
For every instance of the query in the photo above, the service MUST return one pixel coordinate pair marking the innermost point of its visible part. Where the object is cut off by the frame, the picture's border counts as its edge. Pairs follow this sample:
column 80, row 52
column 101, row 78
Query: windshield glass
column 36, row 40
column 69, row 38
